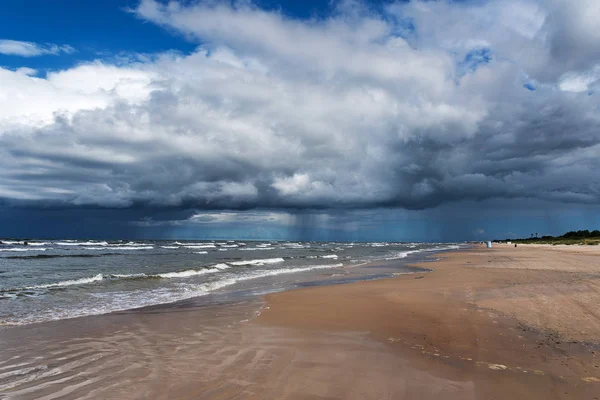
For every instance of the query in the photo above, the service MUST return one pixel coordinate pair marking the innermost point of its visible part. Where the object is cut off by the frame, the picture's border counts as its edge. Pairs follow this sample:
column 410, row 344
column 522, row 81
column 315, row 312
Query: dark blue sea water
column 49, row 280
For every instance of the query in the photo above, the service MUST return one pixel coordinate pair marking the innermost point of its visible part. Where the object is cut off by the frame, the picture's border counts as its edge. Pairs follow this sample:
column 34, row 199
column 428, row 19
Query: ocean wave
column 100, row 277
column 23, row 243
column 73, row 282
column 201, row 252
column 20, row 249
column 193, row 243
column 81, row 243
column 296, row 246
column 257, row 248
column 44, row 256
column 402, row 254
column 200, row 246
column 405, row 254
column 130, row 276
column 284, row 271
column 118, row 248
column 103, row 303
column 170, row 247
column 130, row 248
column 258, row 262
column 188, row 273
column 332, row 256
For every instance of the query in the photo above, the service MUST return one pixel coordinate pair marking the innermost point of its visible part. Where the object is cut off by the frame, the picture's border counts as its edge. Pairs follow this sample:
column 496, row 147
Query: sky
column 316, row 120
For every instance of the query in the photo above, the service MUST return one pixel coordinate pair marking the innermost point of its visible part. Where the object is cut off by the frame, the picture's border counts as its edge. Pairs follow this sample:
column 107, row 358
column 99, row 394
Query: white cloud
column 26, row 71
column 339, row 112
column 31, row 49
column 580, row 82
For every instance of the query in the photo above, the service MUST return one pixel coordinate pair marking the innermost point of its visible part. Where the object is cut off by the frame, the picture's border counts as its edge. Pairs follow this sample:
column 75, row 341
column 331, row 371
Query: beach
column 494, row 323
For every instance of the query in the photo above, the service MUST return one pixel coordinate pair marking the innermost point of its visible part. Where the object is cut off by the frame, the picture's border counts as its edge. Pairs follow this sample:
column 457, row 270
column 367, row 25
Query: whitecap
column 81, row 281
column 82, row 243
column 129, row 276
column 130, row 248
column 20, row 249
column 188, row 273
column 259, row 262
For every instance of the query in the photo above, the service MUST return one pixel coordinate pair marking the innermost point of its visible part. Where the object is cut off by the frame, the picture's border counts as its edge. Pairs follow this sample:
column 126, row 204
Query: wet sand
column 486, row 324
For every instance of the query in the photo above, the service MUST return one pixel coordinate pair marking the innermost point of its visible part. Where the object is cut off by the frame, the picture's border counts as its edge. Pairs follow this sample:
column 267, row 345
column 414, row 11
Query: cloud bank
column 413, row 106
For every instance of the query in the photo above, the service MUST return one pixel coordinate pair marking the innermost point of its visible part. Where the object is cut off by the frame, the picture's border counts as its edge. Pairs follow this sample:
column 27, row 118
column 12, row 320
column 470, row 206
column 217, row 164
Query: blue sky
column 96, row 29
column 106, row 28
column 350, row 120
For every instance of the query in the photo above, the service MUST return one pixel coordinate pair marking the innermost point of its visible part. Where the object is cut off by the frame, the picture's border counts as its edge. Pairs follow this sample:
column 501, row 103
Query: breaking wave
column 259, row 262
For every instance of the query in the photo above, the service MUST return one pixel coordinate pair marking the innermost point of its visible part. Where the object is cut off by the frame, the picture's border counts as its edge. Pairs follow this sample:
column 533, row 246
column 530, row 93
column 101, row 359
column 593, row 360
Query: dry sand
column 503, row 323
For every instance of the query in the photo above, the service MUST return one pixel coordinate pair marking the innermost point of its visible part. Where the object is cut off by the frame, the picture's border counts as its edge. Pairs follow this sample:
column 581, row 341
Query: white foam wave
column 257, row 248
column 404, row 254
column 283, row 271
column 200, row 246
column 333, row 256
column 129, row 276
column 259, row 262
column 20, row 249
column 82, row 243
column 201, row 252
column 228, row 245
column 130, row 248
column 296, row 246
column 37, row 243
column 170, row 247
column 188, row 273
column 193, row 243
column 73, row 282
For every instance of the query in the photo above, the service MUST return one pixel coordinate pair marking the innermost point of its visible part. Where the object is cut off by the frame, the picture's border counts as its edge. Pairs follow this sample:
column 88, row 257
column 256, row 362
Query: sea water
column 50, row 280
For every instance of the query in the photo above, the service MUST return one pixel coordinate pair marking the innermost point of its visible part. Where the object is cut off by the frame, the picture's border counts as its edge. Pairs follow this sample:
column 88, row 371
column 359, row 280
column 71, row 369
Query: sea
column 58, row 279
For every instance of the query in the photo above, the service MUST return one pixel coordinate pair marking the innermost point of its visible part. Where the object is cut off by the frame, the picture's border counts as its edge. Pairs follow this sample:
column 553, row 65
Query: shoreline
column 481, row 325
column 218, row 298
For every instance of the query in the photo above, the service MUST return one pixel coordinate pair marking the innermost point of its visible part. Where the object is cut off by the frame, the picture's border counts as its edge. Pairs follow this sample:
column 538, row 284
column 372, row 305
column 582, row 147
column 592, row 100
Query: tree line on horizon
column 586, row 236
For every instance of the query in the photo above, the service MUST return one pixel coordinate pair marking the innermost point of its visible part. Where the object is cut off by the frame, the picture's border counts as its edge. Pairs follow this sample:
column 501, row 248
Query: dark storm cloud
column 281, row 114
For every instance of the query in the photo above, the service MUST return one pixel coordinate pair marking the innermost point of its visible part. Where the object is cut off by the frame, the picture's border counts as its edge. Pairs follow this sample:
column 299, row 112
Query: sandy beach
column 499, row 323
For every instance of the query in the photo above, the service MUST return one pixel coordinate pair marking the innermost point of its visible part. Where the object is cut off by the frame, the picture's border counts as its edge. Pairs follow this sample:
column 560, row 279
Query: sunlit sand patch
column 590, row 379
column 497, row 367
column 538, row 372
